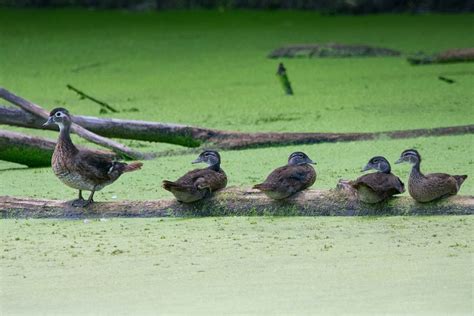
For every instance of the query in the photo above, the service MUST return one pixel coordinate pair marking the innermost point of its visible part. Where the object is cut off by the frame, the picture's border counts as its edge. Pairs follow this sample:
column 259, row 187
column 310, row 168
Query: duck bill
column 198, row 160
column 366, row 168
column 311, row 162
column 49, row 122
column 399, row 161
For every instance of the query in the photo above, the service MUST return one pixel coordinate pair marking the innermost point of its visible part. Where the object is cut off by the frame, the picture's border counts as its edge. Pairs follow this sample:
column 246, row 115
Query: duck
column 288, row 180
column 426, row 188
column 377, row 186
column 82, row 170
column 198, row 184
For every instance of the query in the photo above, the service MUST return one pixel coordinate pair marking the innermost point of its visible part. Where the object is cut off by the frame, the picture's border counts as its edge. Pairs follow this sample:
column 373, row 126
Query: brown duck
column 199, row 183
column 285, row 181
column 377, row 186
column 429, row 187
column 81, row 169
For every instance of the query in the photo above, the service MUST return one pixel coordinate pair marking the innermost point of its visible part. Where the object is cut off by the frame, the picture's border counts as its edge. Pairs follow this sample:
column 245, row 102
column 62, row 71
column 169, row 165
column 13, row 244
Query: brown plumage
column 285, row 181
column 429, row 187
column 199, row 183
column 82, row 169
column 378, row 186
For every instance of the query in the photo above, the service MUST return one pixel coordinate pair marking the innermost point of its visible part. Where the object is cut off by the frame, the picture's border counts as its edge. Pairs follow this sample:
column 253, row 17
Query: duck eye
column 58, row 114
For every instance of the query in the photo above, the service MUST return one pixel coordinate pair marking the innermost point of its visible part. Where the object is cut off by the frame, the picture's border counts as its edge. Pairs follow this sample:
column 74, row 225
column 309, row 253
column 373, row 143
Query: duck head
column 378, row 163
column 60, row 117
column 411, row 156
column 210, row 157
column 299, row 158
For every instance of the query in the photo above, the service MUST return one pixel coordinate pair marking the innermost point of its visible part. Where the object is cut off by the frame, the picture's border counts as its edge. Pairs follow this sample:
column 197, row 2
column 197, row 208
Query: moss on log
column 237, row 202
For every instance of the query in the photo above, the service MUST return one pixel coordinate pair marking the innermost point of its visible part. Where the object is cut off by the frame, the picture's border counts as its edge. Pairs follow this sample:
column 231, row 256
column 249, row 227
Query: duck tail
column 460, row 179
column 132, row 166
column 168, row 185
column 261, row 187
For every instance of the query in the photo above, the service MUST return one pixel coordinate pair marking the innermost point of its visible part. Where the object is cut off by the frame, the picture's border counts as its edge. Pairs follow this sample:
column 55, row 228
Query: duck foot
column 80, row 203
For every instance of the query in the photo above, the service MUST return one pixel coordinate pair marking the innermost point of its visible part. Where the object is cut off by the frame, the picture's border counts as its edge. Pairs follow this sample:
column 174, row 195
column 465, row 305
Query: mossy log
column 331, row 50
column 457, row 55
column 237, row 202
column 32, row 151
column 190, row 136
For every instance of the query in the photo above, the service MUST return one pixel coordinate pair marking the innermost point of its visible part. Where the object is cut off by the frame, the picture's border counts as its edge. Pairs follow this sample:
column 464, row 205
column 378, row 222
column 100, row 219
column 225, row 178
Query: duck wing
column 289, row 179
column 442, row 183
column 203, row 179
column 98, row 168
column 381, row 183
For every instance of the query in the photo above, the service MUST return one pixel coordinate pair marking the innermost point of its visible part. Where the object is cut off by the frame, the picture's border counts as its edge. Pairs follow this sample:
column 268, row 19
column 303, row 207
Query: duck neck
column 385, row 168
column 65, row 138
column 415, row 170
column 215, row 167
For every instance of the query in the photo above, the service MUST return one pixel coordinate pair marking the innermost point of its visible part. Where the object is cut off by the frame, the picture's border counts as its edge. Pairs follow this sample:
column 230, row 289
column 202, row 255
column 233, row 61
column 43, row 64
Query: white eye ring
column 58, row 114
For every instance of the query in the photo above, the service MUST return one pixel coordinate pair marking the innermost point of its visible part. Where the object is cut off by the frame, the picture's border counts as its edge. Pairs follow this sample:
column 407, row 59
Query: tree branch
column 77, row 129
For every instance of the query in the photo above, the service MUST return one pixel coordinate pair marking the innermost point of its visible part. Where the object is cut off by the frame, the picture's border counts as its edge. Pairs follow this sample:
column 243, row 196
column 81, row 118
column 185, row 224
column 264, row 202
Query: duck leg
column 90, row 199
column 80, row 200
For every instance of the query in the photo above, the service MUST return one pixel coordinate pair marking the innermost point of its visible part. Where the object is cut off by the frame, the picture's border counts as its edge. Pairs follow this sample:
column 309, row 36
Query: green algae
column 210, row 69
column 238, row 265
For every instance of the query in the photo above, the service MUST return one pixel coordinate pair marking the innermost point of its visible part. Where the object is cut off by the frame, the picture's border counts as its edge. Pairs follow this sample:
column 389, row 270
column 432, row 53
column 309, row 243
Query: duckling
column 433, row 186
column 377, row 186
column 82, row 169
column 199, row 183
column 285, row 181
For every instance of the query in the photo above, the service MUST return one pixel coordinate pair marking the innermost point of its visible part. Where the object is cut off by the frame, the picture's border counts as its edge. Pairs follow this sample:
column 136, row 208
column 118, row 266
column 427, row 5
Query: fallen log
column 237, row 202
column 331, row 50
column 128, row 129
column 250, row 140
column 457, row 55
column 32, row 151
column 36, row 110
column 190, row 136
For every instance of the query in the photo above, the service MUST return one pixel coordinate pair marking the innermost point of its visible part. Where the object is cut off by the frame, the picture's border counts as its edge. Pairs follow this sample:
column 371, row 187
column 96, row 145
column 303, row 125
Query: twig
column 447, row 80
column 86, row 96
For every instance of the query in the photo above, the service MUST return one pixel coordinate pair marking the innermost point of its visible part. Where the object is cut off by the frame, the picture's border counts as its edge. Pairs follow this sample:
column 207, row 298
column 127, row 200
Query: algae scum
column 257, row 265
column 210, row 69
